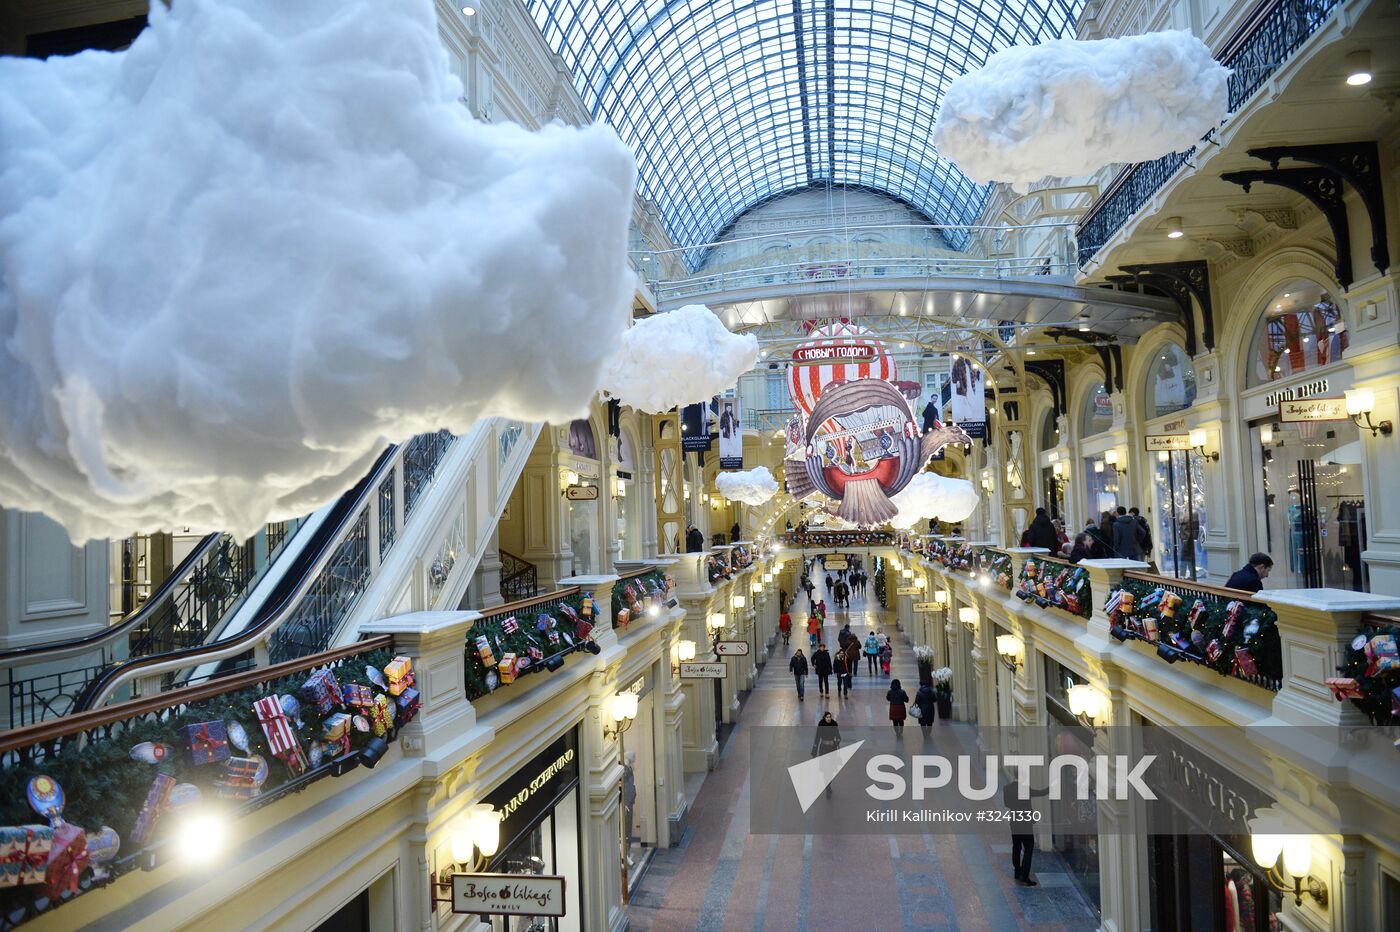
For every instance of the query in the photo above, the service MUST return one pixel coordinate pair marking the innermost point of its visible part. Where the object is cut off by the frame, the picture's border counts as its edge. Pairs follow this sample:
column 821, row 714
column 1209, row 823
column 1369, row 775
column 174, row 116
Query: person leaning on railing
column 1250, row 577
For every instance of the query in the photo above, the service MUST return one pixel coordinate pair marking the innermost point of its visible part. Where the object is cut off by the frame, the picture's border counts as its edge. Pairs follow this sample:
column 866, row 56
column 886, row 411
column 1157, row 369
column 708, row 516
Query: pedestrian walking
column 814, row 630
column 1022, row 818
column 925, row 707
column 886, row 656
column 842, row 669
column 829, row 583
column 798, row 667
column 785, row 626
column 872, row 652
column 827, row 740
column 899, row 707
column 821, row 665
column 1126, row 534
column 852, row 657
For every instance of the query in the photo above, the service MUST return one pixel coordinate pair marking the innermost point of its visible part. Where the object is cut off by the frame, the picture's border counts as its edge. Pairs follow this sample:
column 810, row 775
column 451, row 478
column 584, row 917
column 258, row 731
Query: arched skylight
column 730, row 102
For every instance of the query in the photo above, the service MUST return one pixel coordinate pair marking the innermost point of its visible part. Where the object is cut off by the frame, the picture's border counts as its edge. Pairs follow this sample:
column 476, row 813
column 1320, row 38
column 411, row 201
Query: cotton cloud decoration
column 678, row 358
column 243, row 256
column 929, row 495
column 1069, row 107
column 751, row 486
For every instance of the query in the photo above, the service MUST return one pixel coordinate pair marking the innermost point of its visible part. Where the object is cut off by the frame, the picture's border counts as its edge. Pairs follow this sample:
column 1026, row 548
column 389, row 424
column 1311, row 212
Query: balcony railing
column 1053, row 583
column 1261, row 46
column 834, row 539
column 1219, row 628
column 209, row 735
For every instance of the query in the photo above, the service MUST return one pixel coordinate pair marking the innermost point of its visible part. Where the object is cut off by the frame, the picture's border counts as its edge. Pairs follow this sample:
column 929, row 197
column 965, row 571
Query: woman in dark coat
column 899, row 707
column 925, row 707
column 827, row 739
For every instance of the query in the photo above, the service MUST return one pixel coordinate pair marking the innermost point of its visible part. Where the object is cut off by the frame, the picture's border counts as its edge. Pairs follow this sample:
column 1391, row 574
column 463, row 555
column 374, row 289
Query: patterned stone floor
column 722, row 877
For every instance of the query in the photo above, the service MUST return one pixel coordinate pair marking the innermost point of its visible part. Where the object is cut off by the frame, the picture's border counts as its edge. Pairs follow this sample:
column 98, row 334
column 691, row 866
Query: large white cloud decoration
column 267, row 240
column 678, row 358
column 751, row 486
column 1070, row 107
column 929, row 495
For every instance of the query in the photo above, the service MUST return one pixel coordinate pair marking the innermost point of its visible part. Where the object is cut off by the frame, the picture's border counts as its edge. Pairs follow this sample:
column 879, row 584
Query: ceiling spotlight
column 1174, row 230
column 1359, row 67
column 1083, row 328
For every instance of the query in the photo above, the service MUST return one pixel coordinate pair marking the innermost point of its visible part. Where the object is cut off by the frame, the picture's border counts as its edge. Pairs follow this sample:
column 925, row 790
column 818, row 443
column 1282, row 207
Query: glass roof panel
column 730, row 102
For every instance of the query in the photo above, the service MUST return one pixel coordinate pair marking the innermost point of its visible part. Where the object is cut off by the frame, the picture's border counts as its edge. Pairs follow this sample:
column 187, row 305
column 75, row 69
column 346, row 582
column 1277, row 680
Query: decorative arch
column 1086, row 378
column 1145, row 353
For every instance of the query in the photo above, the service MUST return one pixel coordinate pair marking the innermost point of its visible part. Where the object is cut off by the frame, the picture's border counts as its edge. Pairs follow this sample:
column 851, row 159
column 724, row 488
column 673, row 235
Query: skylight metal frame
column 728, row 103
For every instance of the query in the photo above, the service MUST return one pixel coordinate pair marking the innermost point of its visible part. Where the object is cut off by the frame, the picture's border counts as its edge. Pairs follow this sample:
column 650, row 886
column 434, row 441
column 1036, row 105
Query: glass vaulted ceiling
column 728, row 103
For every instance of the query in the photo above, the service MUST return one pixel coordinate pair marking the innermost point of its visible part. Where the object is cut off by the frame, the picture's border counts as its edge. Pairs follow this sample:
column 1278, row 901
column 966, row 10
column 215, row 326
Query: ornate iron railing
column 421, row 456
column 386, row 516
column 520, row 579
column 1261, row 46
column 329, row 600
column 837, row 539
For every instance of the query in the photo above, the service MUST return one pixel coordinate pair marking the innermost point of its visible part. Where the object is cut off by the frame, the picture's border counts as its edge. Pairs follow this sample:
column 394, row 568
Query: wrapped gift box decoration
column 281, row 739
column 335, row 726
column 24, row 854
column 1170, row 603
column 408, row 703
column 508, row 668
column 206, row 742
column 1381, row 655
column 157, row 802
column 624, row 617
column 1244, row 662
column 483, row 650
column 322, row 691
column 400, row 674
column 1149, row 627
column 68, row 858
column 586, row 610
column 242, row 778
column 380, row 718
column 510, row 625
column 1343, row 687
column 1197, row 615
column 357, row 695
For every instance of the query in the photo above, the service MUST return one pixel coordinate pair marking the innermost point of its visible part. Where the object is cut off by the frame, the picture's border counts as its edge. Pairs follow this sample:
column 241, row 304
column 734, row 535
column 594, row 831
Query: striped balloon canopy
column 838, row 353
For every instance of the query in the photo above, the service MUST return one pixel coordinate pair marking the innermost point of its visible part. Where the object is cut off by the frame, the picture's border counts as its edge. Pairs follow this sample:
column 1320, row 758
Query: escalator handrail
column 61, row 650
column 281, row 602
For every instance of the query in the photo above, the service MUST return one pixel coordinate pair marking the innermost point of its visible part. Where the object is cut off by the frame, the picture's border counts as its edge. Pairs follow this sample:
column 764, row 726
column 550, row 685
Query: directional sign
column 835, row 563
column 732, row 648
column 581, row 493
column 927, row 607
column 703, row 671
column 907, row 590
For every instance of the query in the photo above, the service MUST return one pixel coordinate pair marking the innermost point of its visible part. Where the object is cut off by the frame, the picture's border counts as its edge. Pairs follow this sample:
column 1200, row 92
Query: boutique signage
column 1313, row 409
column 1155, row 442
column 703, row 671
column 1295, row 392
column 508, row 894
column 529, row 794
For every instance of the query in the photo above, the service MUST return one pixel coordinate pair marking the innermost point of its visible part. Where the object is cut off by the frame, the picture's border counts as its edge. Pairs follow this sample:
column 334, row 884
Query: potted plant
column 942, row 680
column 923, row 656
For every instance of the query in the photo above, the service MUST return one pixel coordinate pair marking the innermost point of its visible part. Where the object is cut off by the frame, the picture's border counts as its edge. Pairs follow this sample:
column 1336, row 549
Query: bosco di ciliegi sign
column 508, row 894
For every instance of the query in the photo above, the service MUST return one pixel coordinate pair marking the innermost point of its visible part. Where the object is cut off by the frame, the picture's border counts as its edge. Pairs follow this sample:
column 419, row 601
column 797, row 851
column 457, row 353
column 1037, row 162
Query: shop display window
column 550, row 847
column 1102, row 482
column 1171, row 383
column 1199, row 882
column 1301, row 329
column 1179, row 491
column 1097, row 413
column 1310, row 504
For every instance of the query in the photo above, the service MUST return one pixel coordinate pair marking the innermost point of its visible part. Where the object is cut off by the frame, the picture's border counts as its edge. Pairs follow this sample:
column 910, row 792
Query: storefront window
column 1301, row 329
column 1171, row 386
column 1102, row 482
column 1097, row 415
column 1049, row 431
column 1067, row 735
column 1179, row 486
column 1311, row 516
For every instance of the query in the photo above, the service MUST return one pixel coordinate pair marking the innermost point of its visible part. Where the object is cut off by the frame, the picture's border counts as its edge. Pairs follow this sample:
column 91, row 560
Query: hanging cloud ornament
column 752, row 486
column 243, row 256
column 929, row 495
column 678, row 358
column 1069, row 107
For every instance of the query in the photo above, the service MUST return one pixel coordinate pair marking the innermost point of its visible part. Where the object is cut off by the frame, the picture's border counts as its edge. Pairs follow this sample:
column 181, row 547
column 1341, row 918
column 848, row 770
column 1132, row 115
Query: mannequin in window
column 629, row 799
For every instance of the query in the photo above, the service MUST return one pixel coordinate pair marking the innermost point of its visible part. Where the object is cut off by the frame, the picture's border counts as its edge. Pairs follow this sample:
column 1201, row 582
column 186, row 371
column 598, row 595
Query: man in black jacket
column 821, row 665
column 1250, row 577
column 1042, row 532
column 694, row 539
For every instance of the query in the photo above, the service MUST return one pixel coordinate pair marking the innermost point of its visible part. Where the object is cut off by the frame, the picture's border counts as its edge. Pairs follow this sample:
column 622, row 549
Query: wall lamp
column 473, row 844
column 567, row 479
column 1011, row 650
column 716, row 621
column 1098, row 466
column 940, row 598
column 1112, row 458
column 968, row 616
column 1085, row 703
column 740, row 601
column 624, row 711
column 1361, row 402
column 756, row 586
column 1286, row 861
column 920, row 583
column 1197, row 438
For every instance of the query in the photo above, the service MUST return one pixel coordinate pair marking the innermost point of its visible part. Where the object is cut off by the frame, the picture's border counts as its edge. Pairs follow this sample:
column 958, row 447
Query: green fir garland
column 1376, row 678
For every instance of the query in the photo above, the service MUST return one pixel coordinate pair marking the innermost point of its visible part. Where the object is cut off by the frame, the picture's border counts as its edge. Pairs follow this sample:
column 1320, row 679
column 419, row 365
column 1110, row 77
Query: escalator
column 222, row 612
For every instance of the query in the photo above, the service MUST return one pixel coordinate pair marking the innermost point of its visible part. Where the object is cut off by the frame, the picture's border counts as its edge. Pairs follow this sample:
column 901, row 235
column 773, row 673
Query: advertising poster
column 695, row 428
column 731, row 433
column 969, row 403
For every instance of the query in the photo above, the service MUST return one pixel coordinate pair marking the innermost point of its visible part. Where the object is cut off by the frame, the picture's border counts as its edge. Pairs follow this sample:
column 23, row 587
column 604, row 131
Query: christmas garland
column 1369, row 674
column 124, row 786
column 718, row 569
column 1062, row 586
column 1232, row 637
column 997, row 565
column 880, row 585
column 632, row 596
